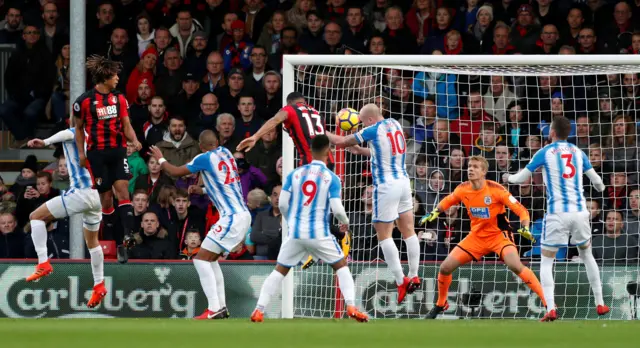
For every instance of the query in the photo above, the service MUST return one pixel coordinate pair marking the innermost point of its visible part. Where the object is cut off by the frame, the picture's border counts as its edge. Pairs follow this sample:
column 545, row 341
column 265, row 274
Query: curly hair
column 101, row 68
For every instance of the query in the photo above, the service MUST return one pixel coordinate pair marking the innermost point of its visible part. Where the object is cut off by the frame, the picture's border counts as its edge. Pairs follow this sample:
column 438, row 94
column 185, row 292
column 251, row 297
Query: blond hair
column 480, row 159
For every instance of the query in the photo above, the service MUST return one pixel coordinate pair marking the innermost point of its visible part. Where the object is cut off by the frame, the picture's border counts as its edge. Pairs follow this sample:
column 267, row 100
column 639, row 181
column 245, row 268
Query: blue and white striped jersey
column 221, row 179
column 311, row 186
column 563, row 165
column 79, row 177
column 388, row 147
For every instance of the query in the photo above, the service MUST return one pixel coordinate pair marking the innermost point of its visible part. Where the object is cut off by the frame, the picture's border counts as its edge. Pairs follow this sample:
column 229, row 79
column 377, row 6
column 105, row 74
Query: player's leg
column 581, row 237
column 554, row 234
column 122, row 174
column 459, row 256
column 511, row 258
column 406, row 224
column 222, row 297
column 202, row 262
column 39, row 220
column 91, row 226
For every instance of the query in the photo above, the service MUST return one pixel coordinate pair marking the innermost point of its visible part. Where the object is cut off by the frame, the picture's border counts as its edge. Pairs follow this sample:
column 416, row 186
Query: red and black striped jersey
column 102, row 115
column 303, row 123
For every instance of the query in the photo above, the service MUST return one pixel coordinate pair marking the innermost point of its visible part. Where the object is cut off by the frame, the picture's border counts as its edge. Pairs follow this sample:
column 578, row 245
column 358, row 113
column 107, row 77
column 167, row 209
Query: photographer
column 250, row 176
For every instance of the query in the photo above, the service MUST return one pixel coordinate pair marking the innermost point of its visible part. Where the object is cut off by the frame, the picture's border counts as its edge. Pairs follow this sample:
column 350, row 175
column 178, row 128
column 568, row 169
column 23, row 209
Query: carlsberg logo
column 65, row 294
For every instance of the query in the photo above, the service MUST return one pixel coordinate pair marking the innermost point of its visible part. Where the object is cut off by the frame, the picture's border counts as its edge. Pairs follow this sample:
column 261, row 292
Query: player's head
column 295, row 98
column 560, row 128
column 478, row 167
column 320, row 148
column 104, row 71
column 208, row 140
column 370, row 114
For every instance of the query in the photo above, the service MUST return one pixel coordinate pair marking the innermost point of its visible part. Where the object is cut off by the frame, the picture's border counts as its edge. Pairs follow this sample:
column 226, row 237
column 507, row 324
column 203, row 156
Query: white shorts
column 227, row 233
column 76, row 201
column 391, row 199
column 558, row 230
column 293, row 251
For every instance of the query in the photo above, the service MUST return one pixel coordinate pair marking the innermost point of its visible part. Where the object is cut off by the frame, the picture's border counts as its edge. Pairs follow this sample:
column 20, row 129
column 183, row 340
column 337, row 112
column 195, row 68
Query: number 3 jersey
column 563, row 165
column 311, row 187
column 388, row 147
column 221, row 179
column 303, row 123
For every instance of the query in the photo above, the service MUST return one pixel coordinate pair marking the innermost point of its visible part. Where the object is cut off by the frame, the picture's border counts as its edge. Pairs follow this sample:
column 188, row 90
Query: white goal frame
column 288, row 83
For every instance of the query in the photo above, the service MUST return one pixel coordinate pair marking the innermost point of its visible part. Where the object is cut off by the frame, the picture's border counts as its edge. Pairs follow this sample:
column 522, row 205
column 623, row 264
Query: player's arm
column 60, row 137
column 336, row 203
column 342, row 141
column 285, row 197
column 248, row 143
column 449, row 201
column 359, row 150
column 522, row 212
column 82, row 158
column 169, row 168
column 129, row 133
column 525, row 174
column 587, row 168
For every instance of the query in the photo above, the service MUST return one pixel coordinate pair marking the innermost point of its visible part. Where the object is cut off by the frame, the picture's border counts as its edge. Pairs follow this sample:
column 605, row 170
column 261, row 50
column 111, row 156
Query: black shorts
column 108, row 166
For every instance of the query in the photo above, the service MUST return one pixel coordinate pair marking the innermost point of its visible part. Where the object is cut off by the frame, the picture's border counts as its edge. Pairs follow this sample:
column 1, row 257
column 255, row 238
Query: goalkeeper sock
column 593, row 273
column 347, row 286
column 413, row 254
column 217, row 272
column 548, row 284
column 392, row 258
column 39, row 238
column 208, row 282
column 529, row 278
column 444, row 281
column 269, row 288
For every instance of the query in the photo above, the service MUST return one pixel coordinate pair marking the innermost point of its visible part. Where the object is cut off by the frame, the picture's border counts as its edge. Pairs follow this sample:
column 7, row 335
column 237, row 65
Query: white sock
column 97, row 264
column 413, row 254
column 39, row 238
column 217, row 272
column 269, row 288
column 208, row 282
column 347, row 287
column 392, row 258
column 593, row 273
column 547, row 282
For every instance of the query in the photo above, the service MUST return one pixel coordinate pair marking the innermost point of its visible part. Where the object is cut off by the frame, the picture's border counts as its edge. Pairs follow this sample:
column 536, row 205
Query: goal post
column 580, row 87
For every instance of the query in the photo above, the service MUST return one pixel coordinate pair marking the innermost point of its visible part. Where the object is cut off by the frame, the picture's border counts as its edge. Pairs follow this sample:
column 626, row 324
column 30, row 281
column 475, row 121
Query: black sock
column 125, row 211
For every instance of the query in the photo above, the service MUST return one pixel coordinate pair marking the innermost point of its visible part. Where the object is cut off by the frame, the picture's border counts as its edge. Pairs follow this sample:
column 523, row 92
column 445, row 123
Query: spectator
column 163, row 41
column 257, row 201
column 118, row 50
column 155, row 129
column 229, row 95
column 192, row 243
column 140, row 205
column 288, row 45
column 139, row 108
column 485, row 144
column 236, row 54
column 11, row 238
column 61, row 175
column 501, row 41
column 145, row 32
column 442, row 88
column 617, row 191
column 168, row 80
column 436, row 188
column 266, row 231
column 265, row 154
column 437, row 149
column 257, row 70
column 632, row 216
column 583, row 137
column 55, row 32
column 145, row 70
column 214, row 76
column 226, row 37
column 297, row 15
column 207, row 117
column 421, row 19
column 436, row 39
column 28, row 82
column 11, row 27
column 137, row 167
column 177, row 146
column 98, row 36
column 153, row 181
column 587, row 42
column 377, row 45
column 529, row 196
column 497, row 98
column 184, row 29
column 34, row 196
column 616, row 34
column 256, row 15
column 457, row 170
column 469, row 125
column 403, row 101
column 631, row 93
column 187, row 101
column 248, row 123
column 250, row 176
column 525, row 31
column 423, row 128
column 59, row 103
column 615, row 244
column 621, row 149
column 311, row 36
column 549, row 40
column 547, row 12
column 271, row 35
column 575, row 20
column 504, row 163
column 26, row 179
column 187, row 218
column 420, row 181
column 197, row 54
column 153, row 242
column 399, row 38
column 225, row 125
column 533, row 143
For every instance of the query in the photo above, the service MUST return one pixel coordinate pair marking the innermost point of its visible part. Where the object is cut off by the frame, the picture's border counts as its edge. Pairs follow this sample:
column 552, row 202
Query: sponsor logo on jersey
column 481, row 213
column 107, row 112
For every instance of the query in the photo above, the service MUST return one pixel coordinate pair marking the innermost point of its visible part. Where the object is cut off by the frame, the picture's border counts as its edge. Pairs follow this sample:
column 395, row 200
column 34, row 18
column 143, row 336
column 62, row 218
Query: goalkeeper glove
column 345, row 243
column 310, row 262
column 524, row 232
column 430, row 217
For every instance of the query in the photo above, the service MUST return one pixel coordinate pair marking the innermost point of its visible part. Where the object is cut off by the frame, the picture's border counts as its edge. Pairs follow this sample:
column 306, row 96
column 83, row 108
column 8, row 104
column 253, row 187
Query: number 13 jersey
column 563, row 165
column 387, row 144
column 221, row 179
column 303, row 123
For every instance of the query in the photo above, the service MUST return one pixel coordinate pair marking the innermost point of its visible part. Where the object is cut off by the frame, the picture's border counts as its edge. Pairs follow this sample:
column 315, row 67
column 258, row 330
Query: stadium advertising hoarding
column 172, row 290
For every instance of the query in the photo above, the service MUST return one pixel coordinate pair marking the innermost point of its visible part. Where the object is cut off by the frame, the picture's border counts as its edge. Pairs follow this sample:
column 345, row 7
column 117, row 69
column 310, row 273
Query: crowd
column 191, row 65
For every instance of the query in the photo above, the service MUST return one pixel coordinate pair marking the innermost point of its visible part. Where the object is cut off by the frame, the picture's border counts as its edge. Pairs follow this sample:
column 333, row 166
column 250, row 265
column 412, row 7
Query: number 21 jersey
column 221, row 179
column 563, row 165
column 303, row 123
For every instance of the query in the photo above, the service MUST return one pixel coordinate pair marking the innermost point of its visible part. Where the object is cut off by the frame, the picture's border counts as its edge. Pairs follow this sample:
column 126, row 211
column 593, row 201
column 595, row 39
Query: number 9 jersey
column 563, row 165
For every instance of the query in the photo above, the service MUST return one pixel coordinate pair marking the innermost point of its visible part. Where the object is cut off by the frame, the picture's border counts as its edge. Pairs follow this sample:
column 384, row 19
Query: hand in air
column 246, row 144
column 36, row 143
column 155, row 152
column 505, row 178
column 430, row 217
column 195, row 189
column 524, row 232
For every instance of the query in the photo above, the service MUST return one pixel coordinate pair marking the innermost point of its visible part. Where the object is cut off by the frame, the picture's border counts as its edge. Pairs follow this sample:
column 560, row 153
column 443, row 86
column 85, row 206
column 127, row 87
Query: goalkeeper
column 485, row 201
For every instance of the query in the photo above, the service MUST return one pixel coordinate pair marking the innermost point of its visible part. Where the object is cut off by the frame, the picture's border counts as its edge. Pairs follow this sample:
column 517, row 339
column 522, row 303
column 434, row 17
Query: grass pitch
column 178, row 333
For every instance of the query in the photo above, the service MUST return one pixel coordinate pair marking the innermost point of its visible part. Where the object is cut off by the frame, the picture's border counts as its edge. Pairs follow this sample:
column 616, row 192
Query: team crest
column 487, row 200
column 114, row 99
column 99, row 181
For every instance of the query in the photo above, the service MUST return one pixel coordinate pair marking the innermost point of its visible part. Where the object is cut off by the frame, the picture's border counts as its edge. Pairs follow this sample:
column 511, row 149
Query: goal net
column 452, row 107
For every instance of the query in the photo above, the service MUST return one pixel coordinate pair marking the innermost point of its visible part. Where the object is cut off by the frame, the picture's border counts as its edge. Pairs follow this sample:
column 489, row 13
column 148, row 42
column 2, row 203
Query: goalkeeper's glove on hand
column 430, row 217
column 310, row 262
column 524, row 232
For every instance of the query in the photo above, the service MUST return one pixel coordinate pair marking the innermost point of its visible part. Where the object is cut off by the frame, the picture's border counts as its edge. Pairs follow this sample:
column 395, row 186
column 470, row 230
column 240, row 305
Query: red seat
column 109, row 249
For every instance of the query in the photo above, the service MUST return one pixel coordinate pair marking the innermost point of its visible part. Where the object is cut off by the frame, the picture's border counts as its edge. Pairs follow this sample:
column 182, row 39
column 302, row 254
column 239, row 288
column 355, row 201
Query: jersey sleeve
column 335, row 187
column 124, row 106
column 452, row 199
column 287, row 183
column 200, row 163
column 512, row 203
column 291, row 115
column 77, row 107
column 537, row 160
column 586, row 164
column 366, row 134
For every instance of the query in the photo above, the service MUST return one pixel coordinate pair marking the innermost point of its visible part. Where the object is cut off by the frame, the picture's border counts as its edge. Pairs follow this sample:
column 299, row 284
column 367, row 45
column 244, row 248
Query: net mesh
column 502, row 113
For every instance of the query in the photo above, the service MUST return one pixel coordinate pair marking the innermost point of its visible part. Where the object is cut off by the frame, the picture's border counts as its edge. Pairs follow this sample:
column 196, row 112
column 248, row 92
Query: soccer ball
column 348, row 119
